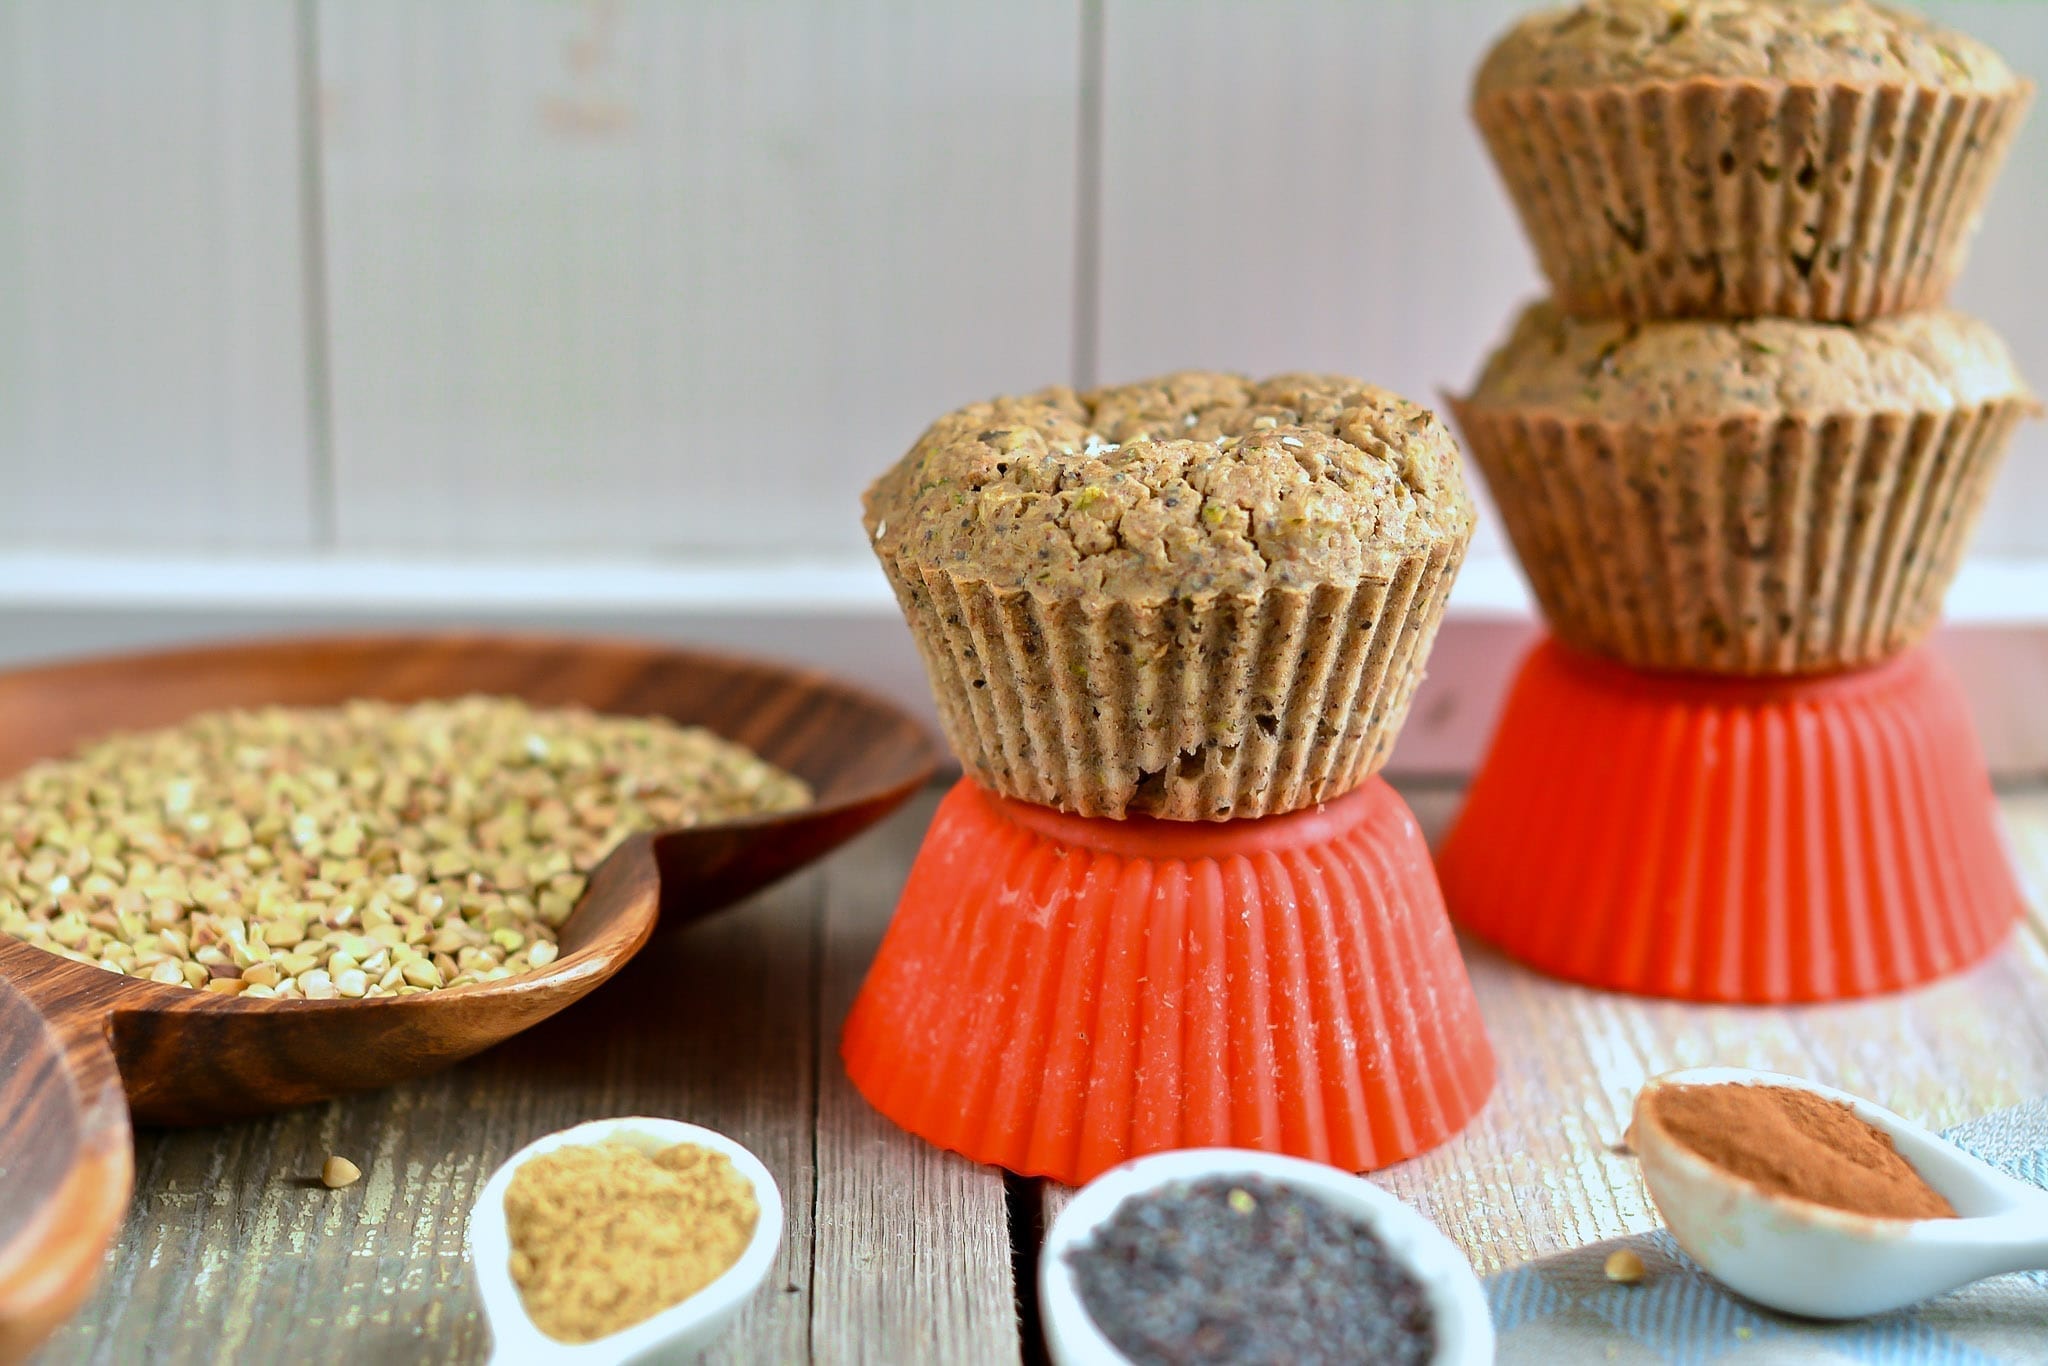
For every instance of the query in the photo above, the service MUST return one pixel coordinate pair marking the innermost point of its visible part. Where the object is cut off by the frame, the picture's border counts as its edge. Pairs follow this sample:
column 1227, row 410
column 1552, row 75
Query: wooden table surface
column 893, row 1251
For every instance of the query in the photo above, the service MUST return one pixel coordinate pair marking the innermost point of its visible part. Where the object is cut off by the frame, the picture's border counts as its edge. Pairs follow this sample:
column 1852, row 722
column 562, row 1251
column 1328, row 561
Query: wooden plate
column 74, row 1038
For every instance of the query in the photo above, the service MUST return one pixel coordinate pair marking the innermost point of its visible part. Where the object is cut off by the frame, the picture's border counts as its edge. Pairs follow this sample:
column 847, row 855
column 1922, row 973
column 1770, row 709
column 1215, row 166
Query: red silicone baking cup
column 1716, row 839
column 1057, row 994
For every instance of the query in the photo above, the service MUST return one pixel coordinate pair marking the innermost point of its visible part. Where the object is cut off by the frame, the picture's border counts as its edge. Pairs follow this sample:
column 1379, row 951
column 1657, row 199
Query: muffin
column 1821, row 159
column 1198, row 597
column 1763, row 497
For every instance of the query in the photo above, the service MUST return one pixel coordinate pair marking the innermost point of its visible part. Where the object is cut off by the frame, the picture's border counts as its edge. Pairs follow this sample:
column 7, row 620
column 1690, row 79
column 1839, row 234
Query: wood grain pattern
column 913, row 1255
column 153, row 337
column 733, row 1023
column 231, row 1251
column 189, row 1057
column 234, row 1252
column 186, row 1057
column 680, row 277
column 1448, row 726
column 1537, row 1172
column 65, row 1163
column 860, row 755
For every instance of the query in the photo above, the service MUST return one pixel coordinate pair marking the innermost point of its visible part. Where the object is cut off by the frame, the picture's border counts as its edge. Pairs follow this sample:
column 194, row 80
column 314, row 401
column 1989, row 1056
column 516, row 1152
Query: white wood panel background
column 152, row 332
column 1294, row 185
column 679, row 277
column 573, row 275
column 2006, row 282
column 416, row 308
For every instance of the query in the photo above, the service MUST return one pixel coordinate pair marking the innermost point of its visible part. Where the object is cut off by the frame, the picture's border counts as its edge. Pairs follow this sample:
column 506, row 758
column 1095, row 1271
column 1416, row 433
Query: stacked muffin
column 1744, row 437
column 1198, row 597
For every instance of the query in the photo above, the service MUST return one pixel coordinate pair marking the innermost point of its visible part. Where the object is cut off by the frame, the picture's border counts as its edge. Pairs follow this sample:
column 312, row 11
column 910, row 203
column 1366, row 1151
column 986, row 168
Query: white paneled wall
column 679, row 277
column 153, row 339
column 367, row 286
column 2007, row 280
column 1294, row 185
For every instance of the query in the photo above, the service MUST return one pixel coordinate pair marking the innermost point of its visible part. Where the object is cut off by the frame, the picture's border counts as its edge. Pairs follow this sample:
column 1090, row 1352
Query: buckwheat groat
column 1762, row 497
column 1821, row 159
column 369, row 849
column 1197, row 597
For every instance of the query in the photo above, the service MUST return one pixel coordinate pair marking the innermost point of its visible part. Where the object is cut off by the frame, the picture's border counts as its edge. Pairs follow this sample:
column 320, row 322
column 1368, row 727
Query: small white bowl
column 1464, row 1328
column 1810, row 1259
column 676, row 1333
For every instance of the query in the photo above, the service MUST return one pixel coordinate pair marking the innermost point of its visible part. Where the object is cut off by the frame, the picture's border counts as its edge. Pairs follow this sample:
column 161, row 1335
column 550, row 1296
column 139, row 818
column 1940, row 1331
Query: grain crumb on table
column 734, row 1023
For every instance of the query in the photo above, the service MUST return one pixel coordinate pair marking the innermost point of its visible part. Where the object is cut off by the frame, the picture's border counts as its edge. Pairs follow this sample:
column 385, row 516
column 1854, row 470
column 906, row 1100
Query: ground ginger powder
column 605, row 1235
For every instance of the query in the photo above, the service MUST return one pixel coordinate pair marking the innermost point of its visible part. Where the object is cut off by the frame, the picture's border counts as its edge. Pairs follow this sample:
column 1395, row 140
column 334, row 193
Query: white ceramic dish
column 1464, row 1327
column 1809, row 1259
column 675, row 1334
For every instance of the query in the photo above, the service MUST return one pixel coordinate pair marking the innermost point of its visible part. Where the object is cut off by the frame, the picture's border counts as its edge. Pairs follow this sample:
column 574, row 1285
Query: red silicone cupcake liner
column 1715, row 839
column 1057, row 994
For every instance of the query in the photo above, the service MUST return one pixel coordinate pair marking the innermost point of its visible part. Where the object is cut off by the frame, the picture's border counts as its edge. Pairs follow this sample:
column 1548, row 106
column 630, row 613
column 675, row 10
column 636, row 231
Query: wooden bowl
column 861, row 756
column 74, row 1038
column 65, row 1155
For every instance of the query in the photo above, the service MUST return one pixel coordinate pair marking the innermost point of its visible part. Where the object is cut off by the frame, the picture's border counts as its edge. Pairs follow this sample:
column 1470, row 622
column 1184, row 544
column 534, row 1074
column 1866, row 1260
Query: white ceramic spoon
column 675, row 1334
column 1464, row 1328
column 1824, row 1263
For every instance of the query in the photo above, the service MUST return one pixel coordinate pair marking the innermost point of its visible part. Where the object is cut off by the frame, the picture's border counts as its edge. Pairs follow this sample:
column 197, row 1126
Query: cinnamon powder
column 1796, row 1143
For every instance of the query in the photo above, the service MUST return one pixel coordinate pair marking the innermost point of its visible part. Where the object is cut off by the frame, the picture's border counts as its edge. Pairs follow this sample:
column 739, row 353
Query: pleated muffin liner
column 1058, row 995
column 1755, row 546
column 1730, row 199
column 1743, row 840
column 1212, row 708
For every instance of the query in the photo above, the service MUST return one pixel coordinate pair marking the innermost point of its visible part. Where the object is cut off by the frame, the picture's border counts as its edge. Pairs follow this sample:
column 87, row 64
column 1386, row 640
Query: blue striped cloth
column 1562, row 1310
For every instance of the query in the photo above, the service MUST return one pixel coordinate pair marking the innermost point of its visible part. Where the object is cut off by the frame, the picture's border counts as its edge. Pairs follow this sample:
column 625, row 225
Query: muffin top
column 1690, row 370
column 1847, row 42
column 1192, row 484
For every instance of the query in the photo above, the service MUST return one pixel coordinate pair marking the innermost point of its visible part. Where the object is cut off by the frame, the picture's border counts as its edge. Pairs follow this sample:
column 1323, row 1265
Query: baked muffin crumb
column 1188, row 485
column 1767, row 497
column 1199, row 597
column 1687, row 370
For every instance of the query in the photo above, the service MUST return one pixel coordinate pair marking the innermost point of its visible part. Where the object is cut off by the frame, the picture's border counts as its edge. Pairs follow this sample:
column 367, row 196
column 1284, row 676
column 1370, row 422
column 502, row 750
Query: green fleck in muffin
column 1198, row 597
column 1763, row 497
column 1823, row 159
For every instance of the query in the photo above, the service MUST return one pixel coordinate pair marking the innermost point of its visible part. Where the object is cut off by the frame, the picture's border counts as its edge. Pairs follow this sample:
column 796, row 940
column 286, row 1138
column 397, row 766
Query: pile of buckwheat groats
column 368, row 849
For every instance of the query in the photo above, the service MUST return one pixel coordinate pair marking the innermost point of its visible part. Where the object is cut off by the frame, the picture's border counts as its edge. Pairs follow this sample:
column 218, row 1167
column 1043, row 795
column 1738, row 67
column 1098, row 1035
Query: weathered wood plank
column 735, row 1024
column 913, row 1254
column 2026, row 827
column 1537, row 1171
column 233, row 1252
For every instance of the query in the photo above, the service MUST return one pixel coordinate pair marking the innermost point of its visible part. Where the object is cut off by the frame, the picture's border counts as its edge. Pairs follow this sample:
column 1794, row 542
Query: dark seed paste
column 1242, row 1270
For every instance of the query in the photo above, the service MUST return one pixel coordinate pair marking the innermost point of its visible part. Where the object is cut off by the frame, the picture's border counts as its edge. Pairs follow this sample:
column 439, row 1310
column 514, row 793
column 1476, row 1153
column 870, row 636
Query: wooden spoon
column 74, row 1038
